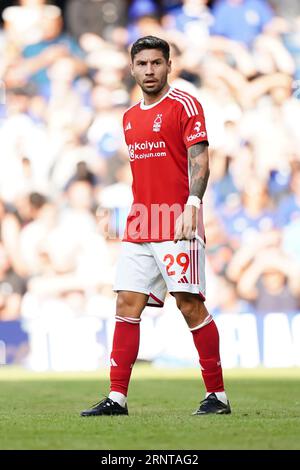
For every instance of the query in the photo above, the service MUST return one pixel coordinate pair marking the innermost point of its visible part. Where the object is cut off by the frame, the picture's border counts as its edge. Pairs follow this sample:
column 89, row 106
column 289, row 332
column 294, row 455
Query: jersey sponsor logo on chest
column 146, row 149
column 148, row 145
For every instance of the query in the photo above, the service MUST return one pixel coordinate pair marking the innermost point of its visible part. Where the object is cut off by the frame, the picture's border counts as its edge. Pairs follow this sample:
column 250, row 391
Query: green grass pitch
column 41, row 411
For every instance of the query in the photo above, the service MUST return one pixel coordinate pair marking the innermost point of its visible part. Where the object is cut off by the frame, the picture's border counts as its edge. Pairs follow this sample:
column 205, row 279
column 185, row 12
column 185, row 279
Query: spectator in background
column 43, row 215
column 57, row 45
column 115, row 202
column 251, row 23
column 24, row 22
column 241, row 20
column 42, row 49
column 70, row 151
column 94, row 16
column 143, row 16
column 291, row 237
column 23, row 167
column 12, row 288
column 271, row 283
column 178, row 77
column 289, row 9
column 219, row 247
column 224, row 185
column 105, row 131
column 10, row 229
column 265, row 275
column 193, row 19
column 83, row 173
column 79, row 207
column 228, row 300
column 289, row 208
column 254, row 214
column 68, row 114
column 63, row 249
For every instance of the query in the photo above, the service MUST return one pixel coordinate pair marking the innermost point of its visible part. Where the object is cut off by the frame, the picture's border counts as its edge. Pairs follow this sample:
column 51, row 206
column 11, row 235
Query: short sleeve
column 193, row 122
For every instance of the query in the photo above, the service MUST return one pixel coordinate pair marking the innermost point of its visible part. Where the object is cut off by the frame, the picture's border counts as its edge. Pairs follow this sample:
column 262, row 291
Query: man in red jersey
column 164, row 241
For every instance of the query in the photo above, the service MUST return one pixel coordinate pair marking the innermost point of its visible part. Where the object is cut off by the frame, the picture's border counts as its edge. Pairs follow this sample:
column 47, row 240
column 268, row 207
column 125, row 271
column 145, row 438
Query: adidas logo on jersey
column 128, row 127
column 183, row 280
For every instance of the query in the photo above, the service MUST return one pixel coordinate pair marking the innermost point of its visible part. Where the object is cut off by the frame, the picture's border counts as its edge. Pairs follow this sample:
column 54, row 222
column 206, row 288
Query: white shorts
column 154, row 268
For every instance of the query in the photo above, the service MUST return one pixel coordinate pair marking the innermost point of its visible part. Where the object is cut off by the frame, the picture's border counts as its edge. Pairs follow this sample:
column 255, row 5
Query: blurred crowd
column 65, row 181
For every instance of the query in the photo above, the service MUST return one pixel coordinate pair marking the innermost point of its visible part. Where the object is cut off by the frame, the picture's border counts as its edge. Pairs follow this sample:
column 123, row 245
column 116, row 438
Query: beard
column 153, row 90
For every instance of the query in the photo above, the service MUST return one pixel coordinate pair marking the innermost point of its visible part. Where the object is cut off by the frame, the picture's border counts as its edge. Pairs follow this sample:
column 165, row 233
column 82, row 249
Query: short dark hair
column 150, row 42
column 37, row 200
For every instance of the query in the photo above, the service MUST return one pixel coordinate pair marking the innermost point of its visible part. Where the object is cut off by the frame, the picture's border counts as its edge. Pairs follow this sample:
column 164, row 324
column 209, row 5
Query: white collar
column 149, row 106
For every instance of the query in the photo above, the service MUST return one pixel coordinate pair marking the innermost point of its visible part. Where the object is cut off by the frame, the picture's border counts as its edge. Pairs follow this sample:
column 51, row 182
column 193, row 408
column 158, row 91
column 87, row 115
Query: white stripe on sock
column 220, row 396
column 206, row 322
column 118, row 397
column 134, row 321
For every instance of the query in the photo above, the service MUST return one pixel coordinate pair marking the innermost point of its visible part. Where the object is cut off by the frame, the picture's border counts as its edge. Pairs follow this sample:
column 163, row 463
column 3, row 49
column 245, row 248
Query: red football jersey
column 158, row 136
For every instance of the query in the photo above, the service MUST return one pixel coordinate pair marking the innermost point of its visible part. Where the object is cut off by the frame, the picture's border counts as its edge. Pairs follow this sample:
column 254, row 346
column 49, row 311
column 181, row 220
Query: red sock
column 206, row 339
column 124, row 352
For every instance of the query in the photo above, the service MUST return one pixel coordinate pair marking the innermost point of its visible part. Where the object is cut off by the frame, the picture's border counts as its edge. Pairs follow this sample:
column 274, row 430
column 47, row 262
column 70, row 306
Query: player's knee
column 186, row 307
column 126, row 305
column 193, row 309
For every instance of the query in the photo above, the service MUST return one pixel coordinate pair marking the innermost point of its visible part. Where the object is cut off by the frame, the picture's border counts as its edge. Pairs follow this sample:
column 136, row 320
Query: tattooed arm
column 199, row 173
column 199, row 169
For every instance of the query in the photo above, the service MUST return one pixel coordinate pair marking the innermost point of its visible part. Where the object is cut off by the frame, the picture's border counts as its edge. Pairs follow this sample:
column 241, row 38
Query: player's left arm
column 186, row 224
column 199, row 169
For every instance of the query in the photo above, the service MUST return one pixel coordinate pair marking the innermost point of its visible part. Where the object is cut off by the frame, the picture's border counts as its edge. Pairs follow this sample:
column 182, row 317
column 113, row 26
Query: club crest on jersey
column 157, row 123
